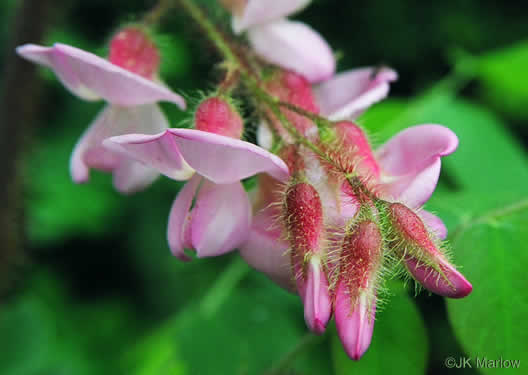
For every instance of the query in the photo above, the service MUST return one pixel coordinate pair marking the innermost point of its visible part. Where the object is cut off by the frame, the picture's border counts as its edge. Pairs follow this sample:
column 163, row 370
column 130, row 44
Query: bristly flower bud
column 304, row 223
column 423, row 258
column 294, row 89
column 355, row 296
column 217, row 115
column 132, row 49
column 357, row 147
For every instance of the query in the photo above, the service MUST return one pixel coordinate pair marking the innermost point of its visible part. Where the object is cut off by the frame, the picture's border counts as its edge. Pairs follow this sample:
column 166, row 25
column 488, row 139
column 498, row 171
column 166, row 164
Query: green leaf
column 399, row 341
column 57, row 207
column 491, row 242
column 504, row 80
column 488, row 157
column 44, row 331
column 245, row 334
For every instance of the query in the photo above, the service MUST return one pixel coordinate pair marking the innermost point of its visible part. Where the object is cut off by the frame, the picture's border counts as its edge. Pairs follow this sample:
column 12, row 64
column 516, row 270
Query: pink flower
column 221, row 217
column 346, row 95
column 128, row 83
column 291, row 45
column 404, row 170
column 357, row 283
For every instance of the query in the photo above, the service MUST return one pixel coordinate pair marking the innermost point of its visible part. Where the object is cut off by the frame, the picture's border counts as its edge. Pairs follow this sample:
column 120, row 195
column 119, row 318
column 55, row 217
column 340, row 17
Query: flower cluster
column 331, row 216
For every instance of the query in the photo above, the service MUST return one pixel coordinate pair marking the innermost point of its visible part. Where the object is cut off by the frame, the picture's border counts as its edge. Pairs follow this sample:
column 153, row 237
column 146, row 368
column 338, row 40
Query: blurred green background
column 99, row 293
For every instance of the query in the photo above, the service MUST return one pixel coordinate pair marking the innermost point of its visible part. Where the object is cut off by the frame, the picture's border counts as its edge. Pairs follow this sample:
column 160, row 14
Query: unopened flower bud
column 356, row 145
column 425, row 261
column 303, row 220
column 355, row 297
column 303, row 216
column 294, row 89
column 132, row 49
column 217, row 115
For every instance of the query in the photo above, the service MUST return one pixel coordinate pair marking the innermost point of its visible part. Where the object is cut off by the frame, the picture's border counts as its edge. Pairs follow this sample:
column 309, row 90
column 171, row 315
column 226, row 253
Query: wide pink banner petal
column 348, row 94
column 178, row 216
column 222, row 160
column 225, row 160
column 266, row 251
column 91, row 77
column 221, row 218
column 294, row 46
column 258, row 12
column 413, row 189
column 111, row 121
column 410, row 162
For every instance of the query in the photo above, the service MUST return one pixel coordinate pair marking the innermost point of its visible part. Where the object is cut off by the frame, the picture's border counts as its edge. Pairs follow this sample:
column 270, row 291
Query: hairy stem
column 155, row 14
column 236, row 63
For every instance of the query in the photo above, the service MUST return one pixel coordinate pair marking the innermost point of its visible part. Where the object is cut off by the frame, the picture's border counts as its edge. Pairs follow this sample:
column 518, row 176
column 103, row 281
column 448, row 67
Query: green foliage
column 399, row 333
column 58, row 208
column 491, row 243
column 490, row 170
column 488, row 156
column 44, row 330
column 216, row 316
column 504, row 80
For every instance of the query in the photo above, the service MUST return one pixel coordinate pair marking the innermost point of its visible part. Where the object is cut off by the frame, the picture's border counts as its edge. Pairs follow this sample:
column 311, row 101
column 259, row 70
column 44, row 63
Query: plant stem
column 272, row 103
column 319, row 120
column 211, row 31
column 155, row 14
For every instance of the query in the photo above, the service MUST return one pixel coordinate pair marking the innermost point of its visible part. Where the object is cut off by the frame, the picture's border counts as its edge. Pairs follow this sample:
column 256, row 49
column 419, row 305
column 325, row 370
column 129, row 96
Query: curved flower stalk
column 220, row 219
column 289, row 44
column 128, row 83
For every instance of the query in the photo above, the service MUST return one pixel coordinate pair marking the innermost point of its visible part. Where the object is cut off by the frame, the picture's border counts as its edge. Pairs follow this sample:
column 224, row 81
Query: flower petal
column 179, row 215
column 223, row 160
column 434, row 223
column 348, row 94
column 295, row 46
column 158, row 151
column 265, row 250
column 221, row 218
column 316, row 298
column 410, row 162
column 131, row 176
column 258, row 12
column 91, row 77
column 89, row 151
column 355, row 324
column 456, row 285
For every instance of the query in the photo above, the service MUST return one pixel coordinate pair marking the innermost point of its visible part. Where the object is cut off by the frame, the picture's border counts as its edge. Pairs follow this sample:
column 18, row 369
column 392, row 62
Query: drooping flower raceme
column 220, row 219
column 128, row 82
column 347, row 214
column 331, row 216
column 289, row 44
